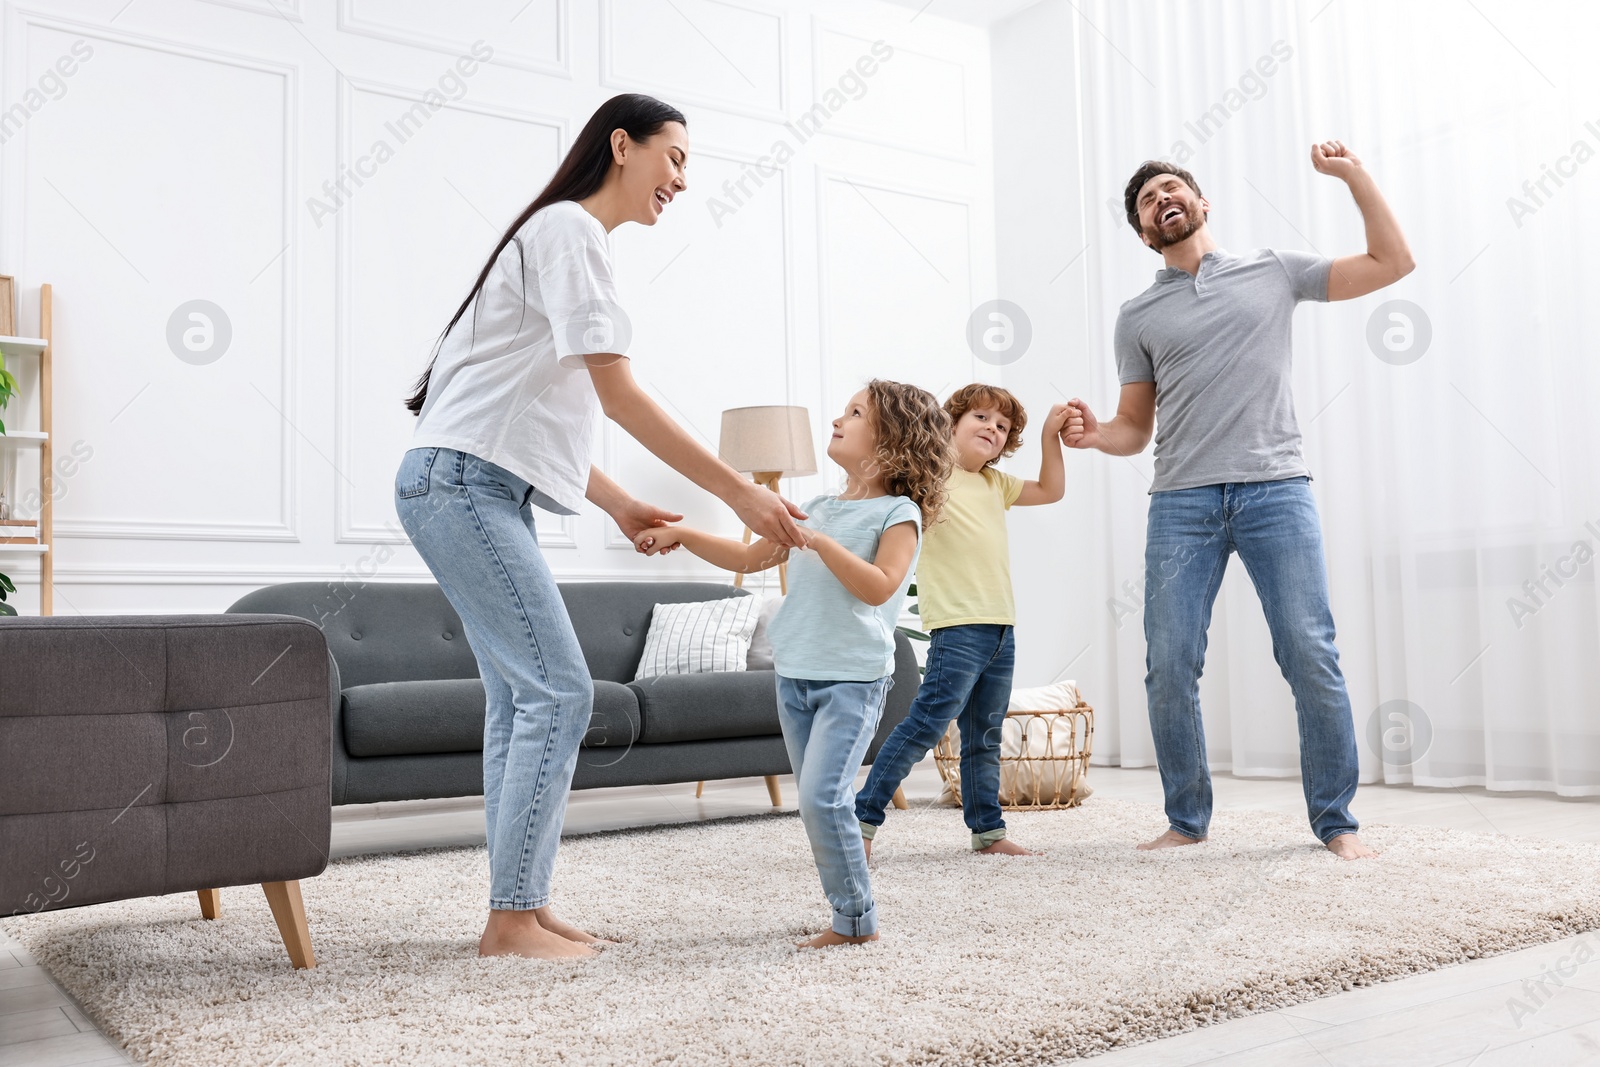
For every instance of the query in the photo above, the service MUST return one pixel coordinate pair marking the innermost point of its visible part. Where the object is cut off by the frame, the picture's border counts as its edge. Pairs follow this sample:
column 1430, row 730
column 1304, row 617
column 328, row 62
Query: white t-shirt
column 510, row 384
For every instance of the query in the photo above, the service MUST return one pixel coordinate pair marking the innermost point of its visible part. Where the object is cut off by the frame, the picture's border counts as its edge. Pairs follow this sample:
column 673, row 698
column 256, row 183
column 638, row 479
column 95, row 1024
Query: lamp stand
column 769, row 479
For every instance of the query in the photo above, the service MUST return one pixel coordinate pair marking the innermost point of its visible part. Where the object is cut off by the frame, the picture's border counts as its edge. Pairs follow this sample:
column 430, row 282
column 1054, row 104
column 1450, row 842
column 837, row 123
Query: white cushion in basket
column 699, row 637
column 1025, row 783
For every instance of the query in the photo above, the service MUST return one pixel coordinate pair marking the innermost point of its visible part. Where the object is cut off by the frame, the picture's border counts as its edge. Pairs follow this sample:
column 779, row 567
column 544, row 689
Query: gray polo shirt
column 1217, row 346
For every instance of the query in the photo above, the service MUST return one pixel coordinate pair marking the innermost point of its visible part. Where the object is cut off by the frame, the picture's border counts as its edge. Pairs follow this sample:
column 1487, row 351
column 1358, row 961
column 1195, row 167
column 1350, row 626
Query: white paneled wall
column 330, row 174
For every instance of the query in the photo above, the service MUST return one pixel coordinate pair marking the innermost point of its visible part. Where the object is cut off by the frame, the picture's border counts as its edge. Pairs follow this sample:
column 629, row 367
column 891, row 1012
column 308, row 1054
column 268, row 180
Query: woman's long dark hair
column 580, row 175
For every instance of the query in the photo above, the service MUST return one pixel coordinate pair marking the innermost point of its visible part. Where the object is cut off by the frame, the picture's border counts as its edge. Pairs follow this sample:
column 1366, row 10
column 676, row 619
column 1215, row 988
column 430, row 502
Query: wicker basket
column 1044, row 758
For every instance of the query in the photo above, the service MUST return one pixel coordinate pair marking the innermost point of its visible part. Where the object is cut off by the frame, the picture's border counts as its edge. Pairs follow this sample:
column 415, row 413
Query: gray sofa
column 144, row 755
column 409, row 705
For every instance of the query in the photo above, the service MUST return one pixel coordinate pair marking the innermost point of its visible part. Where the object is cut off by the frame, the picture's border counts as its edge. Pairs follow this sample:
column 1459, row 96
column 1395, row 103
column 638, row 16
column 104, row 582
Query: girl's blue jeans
column 827, row 728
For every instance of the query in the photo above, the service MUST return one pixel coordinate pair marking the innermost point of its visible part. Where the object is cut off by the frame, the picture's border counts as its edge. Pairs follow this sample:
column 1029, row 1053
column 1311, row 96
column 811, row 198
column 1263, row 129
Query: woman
column 505, row 412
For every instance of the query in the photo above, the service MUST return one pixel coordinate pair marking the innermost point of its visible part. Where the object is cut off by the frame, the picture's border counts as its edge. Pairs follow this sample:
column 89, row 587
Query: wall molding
column 256, row 576
column 609, row 431
column 824, row 175
column 612, row 78
column 819, row 27
column 286, row 528
column 562, row 531
column 288, row 10
column 561, row 67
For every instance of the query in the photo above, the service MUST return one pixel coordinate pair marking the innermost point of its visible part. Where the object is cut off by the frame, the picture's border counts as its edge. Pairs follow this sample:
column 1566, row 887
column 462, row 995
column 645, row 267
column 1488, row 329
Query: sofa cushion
column 707, row 707
column 612, row 618
column 424, row 718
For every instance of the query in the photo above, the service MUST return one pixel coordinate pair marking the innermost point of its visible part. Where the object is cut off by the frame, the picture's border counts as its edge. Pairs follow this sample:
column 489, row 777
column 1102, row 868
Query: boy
column 964, row 596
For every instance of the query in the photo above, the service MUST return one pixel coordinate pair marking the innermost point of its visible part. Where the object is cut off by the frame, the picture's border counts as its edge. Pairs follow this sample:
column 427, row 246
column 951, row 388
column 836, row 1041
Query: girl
column 833, row 639
column 505, row 418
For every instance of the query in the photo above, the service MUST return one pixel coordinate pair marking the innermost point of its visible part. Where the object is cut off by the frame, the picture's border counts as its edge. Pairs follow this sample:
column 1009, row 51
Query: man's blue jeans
column 968, row 680
column 472, row 523
column 827, row 728
column 1275, row 529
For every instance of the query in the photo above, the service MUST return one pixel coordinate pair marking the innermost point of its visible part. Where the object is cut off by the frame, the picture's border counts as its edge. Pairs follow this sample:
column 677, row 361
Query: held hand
column 636, row 518
column 1333, row 158
column 1082, row 429
column 1056, row 422
column 658, row 540
column 770, row 515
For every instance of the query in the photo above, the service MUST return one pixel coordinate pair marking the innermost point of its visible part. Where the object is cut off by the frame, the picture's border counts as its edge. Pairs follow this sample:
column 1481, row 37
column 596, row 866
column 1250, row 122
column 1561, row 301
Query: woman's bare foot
column 1170, row 839
column 546, row 918
column 518, row 933
column 1004, row 847
column 1349, row 847
column 828, row 939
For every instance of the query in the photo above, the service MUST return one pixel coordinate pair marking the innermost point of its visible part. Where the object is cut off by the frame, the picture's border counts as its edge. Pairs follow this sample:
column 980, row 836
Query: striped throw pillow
column 699, row 637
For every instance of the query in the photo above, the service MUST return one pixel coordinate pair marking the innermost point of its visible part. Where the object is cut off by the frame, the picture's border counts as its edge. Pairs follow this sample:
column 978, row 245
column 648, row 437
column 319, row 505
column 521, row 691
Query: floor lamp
column 768, row 443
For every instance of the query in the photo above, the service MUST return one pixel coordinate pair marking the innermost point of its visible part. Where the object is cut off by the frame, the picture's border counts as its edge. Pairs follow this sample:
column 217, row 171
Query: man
column 1208, row 344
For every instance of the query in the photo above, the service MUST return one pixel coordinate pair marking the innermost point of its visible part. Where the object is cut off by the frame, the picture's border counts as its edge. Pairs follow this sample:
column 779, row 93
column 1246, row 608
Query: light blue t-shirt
column 823, row 632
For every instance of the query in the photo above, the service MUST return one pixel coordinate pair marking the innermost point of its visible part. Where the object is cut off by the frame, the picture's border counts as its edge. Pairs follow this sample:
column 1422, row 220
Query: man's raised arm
column 1387, row 258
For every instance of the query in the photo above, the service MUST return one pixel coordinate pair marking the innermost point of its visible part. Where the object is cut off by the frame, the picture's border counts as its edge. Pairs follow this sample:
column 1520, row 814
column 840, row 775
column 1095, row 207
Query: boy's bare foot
column 518, row 933
column 866, row 843
column 1005, row 847
column 546, row 917
column 828, row 939
column 1170, row 839
column 1349, row 847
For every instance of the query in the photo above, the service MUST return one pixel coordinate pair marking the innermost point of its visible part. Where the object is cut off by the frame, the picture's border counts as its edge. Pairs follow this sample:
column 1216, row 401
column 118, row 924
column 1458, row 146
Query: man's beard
column 1160, row 238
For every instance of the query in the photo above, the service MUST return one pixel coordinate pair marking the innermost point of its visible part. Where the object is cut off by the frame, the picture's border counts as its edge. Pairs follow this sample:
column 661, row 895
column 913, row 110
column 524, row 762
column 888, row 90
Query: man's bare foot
column 546, row 917
column 1004, row 847
column 1349, row 847
column 1170, row 839
column 828, row 939
column 518, row 933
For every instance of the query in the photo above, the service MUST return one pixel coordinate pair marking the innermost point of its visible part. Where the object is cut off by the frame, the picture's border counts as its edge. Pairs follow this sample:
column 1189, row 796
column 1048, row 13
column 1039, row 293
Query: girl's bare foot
column 518, row 933
column 828, row 939
column 1005, row 847
column 1170, row 839
column 546, row 917
column 1349, row 847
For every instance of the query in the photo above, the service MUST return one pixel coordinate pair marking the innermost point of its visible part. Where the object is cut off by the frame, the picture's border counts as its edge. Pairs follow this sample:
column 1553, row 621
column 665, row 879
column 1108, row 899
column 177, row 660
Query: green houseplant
column 915, row 609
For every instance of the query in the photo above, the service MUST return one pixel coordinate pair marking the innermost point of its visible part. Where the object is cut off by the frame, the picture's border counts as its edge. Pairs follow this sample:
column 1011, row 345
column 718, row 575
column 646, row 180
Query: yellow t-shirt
column 964, row 574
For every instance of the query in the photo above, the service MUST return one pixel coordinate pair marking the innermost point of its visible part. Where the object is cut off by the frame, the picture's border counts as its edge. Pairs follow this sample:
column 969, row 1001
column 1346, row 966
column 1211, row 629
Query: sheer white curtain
column 1459, row 488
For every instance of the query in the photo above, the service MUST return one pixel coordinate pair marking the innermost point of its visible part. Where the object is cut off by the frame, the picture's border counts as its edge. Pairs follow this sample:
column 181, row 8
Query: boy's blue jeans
column 968, row 680
column 1275, row 529
column 472, row 523
column 827, row 728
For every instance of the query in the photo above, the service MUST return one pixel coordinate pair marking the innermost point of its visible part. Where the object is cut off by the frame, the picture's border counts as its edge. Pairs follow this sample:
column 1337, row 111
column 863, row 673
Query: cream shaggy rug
column 985, row 960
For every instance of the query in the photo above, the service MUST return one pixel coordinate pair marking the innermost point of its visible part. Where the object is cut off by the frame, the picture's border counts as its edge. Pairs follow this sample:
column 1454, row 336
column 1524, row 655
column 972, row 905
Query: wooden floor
column 1458, row 1017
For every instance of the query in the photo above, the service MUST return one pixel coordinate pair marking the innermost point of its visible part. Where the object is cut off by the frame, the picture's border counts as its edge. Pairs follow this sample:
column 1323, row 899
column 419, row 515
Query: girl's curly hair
column 914, row 454
column 982, row 395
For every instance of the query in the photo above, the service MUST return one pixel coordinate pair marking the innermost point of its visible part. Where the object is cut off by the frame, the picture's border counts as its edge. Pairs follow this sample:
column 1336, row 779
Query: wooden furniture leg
column 290, row 912
column 900, row 799
column 773, row 791
column 699, row 787
column 210, row 903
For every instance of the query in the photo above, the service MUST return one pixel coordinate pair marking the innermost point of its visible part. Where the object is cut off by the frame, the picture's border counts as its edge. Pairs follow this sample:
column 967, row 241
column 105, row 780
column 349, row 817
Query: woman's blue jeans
column 827, row 728
column 1275, row 529
column 472, row 523
column 968, row 680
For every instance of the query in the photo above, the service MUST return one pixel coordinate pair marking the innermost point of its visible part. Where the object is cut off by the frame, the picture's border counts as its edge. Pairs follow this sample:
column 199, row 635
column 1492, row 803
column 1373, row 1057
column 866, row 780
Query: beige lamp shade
column 773, row 438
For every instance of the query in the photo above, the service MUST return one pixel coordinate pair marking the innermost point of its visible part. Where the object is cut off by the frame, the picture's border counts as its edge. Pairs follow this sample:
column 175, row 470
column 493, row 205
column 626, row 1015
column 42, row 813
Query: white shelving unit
column 39, row 439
